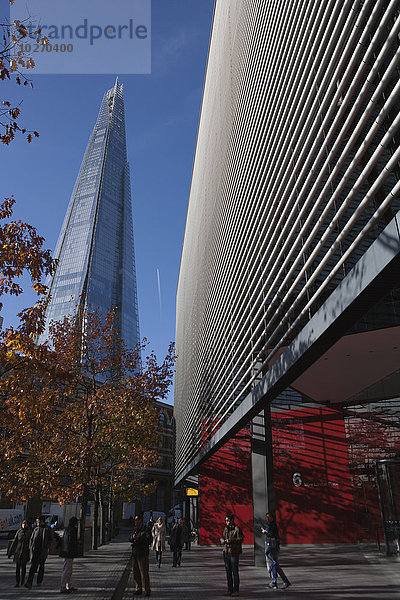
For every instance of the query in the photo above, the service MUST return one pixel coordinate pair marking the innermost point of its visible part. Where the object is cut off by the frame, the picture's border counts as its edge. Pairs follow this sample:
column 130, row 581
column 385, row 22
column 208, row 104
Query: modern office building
column 95, row 248
column 288, row 300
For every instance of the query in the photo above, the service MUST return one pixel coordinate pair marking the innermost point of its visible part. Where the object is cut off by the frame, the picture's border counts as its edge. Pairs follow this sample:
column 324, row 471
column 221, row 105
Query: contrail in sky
column 159, row 289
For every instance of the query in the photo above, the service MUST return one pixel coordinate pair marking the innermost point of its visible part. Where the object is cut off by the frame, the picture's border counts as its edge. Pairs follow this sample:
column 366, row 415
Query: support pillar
column 262, row 477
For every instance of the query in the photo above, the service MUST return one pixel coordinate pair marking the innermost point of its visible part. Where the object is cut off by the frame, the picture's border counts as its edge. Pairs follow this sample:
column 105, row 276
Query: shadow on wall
column 225, row 486
column 313, row 483
column 314, row 496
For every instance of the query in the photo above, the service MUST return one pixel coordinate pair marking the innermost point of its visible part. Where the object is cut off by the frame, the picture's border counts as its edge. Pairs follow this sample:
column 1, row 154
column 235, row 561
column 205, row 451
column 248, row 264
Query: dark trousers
column 177, row 557
column 141, row 572
column 20, row 571
column 232, row 571
column 274, row 567
column 36, row 564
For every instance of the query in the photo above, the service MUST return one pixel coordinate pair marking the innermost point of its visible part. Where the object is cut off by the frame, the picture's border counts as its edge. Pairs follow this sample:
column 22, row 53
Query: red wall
column 314, row 497
column 312, row 481
column 225, row 486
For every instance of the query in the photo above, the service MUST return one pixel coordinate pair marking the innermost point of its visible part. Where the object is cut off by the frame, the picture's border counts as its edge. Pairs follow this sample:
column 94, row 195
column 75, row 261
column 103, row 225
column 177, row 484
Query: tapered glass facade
column 95, row 248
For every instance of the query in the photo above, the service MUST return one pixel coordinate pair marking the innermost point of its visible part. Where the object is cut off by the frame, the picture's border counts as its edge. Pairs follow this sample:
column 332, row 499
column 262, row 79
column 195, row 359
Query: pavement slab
column 317, row 572
column 323, row 572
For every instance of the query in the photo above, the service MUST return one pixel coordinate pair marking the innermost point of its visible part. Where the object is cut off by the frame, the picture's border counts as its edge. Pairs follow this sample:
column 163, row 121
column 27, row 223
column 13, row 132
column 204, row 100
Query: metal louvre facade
column 296, row 174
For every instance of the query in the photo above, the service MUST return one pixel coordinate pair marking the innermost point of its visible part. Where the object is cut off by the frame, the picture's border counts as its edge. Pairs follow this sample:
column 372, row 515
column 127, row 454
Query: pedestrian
column 176, row 542
column 39, row 545
column 69, row 551
column 272, row 548
column 232, row 538
column 140, row 540
column 159, row 533
column 19, row 549
column 186, row 534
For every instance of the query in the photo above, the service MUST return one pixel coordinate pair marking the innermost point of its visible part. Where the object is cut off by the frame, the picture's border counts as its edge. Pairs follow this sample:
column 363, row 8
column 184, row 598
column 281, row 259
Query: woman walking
column 159, row 532
column 19, row 548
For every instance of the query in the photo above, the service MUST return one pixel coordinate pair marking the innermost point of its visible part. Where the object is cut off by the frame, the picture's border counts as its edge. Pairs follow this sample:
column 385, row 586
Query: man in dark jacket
column 140, row 540
column 69, row 551
column 39, row 545
column 232, row 538
column 272, row 547
column 176, row 543
column 19, row 548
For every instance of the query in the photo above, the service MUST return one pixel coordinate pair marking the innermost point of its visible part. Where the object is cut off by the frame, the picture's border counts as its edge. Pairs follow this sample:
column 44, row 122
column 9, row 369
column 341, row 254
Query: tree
column 22, row 252
column 13, row 58
column 88, row 416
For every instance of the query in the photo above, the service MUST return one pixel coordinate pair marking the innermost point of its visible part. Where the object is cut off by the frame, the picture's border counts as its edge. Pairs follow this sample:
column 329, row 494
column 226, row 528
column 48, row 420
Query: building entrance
column 388, row 480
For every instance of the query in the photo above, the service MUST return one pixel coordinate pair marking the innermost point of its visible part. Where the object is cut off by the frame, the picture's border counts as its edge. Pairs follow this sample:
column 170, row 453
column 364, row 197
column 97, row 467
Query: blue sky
column 162, row 112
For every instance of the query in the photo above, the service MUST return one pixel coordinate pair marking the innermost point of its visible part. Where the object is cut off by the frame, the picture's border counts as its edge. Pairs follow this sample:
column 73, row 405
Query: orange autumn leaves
column 82, row 413
column 78, row 412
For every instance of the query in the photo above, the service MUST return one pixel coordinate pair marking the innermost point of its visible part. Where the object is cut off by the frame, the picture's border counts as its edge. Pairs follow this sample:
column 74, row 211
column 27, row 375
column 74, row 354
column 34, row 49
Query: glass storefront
column 388, row 480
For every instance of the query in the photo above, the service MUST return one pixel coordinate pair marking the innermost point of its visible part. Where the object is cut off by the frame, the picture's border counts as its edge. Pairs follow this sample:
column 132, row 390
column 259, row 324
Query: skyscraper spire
column 95, row 248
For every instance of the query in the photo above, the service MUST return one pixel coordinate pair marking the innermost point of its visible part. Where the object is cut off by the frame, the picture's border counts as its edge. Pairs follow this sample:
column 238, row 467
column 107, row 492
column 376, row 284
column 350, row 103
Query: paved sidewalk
column 344, row 572
column 96, row 576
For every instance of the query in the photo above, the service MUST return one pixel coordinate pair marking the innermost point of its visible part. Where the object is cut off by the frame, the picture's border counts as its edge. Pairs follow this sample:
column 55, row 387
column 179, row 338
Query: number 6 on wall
column 297, row 480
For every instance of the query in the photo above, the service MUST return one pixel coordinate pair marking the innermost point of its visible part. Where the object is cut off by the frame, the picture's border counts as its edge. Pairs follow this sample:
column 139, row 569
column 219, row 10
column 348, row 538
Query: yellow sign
column 192, row 492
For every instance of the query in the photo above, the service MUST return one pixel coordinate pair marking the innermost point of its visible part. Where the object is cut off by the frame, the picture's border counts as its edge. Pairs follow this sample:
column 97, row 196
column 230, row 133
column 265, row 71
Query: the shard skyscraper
column 95, row 248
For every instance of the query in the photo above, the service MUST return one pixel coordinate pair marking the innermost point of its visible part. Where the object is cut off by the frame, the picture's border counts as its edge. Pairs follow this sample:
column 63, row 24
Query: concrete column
column 262, row 476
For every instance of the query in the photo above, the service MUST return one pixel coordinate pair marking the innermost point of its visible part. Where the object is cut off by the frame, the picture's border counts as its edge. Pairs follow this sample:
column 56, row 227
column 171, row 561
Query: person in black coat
column 140, row 540
column 69, row 551
column 19, row 548
column 39, row 546
column 176, row 543
column 232, row 539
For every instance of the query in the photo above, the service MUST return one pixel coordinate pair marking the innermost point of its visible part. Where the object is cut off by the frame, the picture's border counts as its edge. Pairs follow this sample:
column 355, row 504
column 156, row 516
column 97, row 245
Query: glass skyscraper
column 95, row 248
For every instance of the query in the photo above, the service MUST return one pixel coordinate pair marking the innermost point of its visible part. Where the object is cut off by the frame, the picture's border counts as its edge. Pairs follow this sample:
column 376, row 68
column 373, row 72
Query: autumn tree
column 21, row 252
column 14, row 60
column 89, row 420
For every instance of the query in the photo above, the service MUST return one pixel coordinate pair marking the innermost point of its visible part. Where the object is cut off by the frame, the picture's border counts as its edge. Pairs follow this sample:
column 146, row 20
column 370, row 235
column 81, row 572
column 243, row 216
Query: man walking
column 39, row 545
column 176, row 542
column 69, row 551
column 232, row 538
column 272, row 547
column 140, row 540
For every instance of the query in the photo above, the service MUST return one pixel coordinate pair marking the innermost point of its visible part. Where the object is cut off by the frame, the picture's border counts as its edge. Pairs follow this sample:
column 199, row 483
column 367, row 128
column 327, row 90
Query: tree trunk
column 95, row 519
column 82, row 520
column 101, row 519
column 110, row 531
